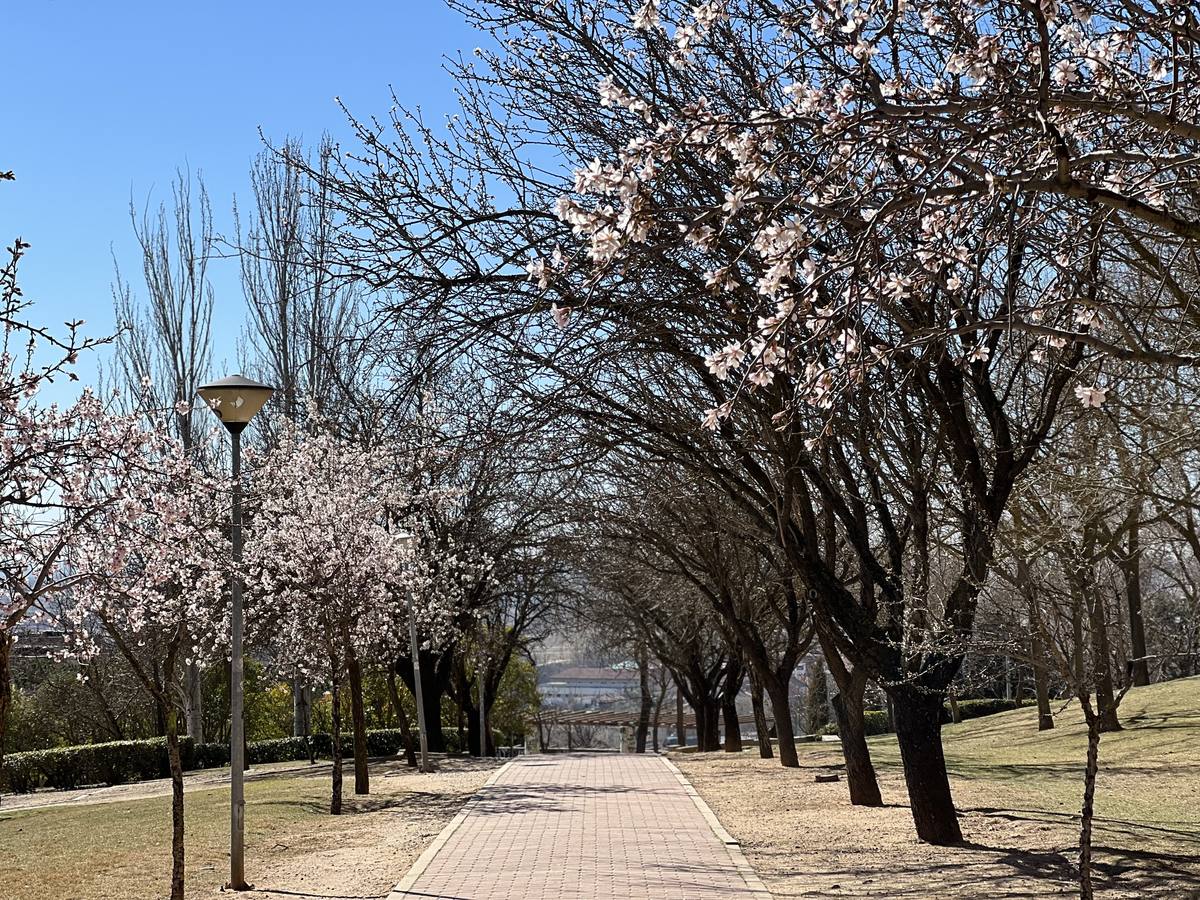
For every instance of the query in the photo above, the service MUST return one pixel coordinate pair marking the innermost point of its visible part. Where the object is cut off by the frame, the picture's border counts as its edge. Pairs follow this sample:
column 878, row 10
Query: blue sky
column 103, row 101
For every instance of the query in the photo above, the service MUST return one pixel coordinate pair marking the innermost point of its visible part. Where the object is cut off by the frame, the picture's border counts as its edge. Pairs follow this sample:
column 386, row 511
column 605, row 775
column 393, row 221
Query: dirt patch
column 806, row 840
column 367, row 850
column 115, row 843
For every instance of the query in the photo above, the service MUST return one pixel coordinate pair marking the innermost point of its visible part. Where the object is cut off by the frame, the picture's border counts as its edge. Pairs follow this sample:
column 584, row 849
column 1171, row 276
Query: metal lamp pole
column 235, row 400
column 237, row 727
column 418, row 691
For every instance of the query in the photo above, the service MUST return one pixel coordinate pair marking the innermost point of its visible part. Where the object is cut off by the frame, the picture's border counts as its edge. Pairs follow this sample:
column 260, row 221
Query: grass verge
column 121, row 849
column 1018, row 792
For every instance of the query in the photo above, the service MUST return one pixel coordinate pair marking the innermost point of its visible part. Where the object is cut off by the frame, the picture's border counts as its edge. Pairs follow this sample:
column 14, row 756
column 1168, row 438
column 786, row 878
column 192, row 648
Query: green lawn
column 1148, row 774
column 1002, row 768
column 1148, row 770
column 102, row 851
column 122, row 849
column 1018, row 792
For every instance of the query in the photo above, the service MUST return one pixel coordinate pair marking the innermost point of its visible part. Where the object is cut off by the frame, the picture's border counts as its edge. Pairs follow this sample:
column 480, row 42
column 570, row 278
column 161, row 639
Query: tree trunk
column 432, row 689
column 160, row 715
column 647, row 704
column 1089, row 796
column 760, row 719
column 712, row 715
column 702, row 726
column 470, row 714
column 851, row 682
column 176, row 766
column 1041, row 686
column 733, row 727
column 680, row 727
column 489, row 739
column 731, row 686
column 1133, row 595
column 708, row 725
column 301, row 707
column 816, row 697
column 335, row 802
column 781, row 709
column 1106, row 701
column 955, row 713
column 852, row 730
column 406, row 735
column 918, row 719
column 193, row 685
column 662, row 695
column 362, row 775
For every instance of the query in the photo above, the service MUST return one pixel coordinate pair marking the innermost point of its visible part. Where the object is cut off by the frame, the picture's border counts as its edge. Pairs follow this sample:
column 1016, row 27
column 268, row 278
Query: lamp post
column 235, row 400
column 482, row 664
column 408, row 543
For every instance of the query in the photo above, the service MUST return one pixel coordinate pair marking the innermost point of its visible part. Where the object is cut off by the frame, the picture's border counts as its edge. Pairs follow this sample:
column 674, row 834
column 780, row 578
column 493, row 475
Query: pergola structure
column 618, row 718
column 622, row 719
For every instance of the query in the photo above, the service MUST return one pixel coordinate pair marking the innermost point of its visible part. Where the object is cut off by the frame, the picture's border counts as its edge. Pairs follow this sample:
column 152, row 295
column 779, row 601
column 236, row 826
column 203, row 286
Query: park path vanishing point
column 580, row 825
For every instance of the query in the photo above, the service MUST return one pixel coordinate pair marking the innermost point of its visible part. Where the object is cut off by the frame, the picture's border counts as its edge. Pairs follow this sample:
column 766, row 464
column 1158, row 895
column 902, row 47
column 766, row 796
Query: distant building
column 586, row 687
column 37, row 639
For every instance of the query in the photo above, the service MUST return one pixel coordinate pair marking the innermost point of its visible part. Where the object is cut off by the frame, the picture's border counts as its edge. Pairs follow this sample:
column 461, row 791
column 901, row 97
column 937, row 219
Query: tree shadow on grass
column 981, row 870
column 353, row 805
column 1144, row 873
column 969, row 771
column 1160, row 721
column 1187, row 832
column 1045, row 866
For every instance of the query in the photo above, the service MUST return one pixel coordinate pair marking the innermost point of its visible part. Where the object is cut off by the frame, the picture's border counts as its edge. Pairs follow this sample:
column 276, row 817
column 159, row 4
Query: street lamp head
column 235, row 400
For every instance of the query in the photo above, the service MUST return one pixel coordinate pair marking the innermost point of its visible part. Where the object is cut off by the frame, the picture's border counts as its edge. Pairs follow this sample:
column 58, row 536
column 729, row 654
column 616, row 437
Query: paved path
column 583, row 826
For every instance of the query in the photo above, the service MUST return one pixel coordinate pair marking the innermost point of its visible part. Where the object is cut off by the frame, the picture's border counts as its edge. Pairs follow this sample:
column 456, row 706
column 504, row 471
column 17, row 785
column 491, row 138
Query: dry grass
column 1019, row 793
column 121, row 849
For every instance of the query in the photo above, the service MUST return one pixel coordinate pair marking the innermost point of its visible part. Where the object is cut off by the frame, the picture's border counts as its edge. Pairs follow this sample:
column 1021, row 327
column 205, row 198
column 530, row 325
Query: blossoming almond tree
column 149, row 570
column 331, row 579
column 914, row 218
column 50, row 457
column 879, row 238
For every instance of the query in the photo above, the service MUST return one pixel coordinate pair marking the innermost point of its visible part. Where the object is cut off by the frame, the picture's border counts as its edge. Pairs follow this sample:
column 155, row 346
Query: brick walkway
column 583, row 826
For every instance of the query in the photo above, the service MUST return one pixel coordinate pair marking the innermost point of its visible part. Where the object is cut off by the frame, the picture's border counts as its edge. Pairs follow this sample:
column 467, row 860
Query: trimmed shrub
column 276, row 750
column 973, row 709
column 120, row 762
column 114, row 762
column 876, row 720
column 209, row 756
column 383, row 742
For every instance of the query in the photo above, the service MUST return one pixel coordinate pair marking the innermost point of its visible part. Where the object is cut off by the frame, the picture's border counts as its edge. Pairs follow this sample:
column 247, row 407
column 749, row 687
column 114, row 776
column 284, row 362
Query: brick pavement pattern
column 582, row 826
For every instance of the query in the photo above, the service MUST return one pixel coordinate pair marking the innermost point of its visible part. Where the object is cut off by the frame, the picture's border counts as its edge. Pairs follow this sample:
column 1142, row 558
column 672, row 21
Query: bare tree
column 303, row 318
column 164, row 348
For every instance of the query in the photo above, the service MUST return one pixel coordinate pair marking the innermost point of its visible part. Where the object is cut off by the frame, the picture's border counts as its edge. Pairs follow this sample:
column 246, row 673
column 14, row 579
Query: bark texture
column 917, row 715
column 177, row 820
column 860, row 771
column 760, row 719
column 362, row 775
column 335, row 799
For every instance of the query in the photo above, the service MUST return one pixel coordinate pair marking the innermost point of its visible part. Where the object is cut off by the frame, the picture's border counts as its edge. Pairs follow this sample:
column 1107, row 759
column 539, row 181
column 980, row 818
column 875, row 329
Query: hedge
column 876, row 720
column 122, row 762
column 973, row 709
